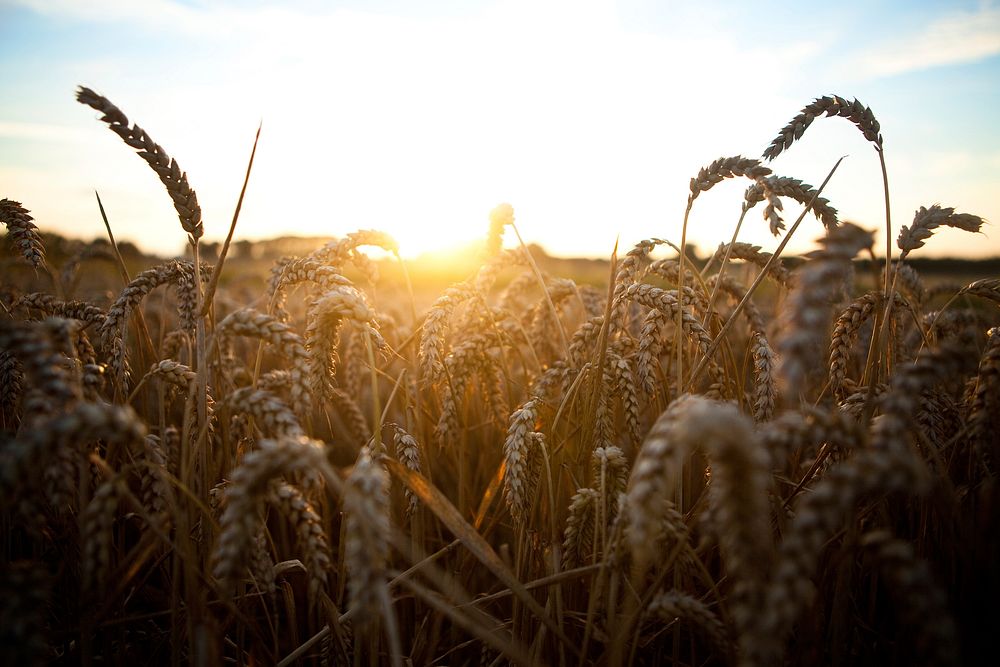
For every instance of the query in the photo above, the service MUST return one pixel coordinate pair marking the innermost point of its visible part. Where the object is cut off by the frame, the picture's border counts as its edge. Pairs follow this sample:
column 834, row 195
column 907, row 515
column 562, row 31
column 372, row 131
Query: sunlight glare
column 420, row 132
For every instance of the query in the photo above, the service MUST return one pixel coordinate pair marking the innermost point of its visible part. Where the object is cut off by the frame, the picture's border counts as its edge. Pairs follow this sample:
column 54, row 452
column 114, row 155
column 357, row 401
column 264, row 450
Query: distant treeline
column 947, row 265
column 59, row 246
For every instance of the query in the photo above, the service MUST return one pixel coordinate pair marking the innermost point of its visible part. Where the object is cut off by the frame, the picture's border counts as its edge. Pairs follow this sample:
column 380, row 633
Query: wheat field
column 750, row 460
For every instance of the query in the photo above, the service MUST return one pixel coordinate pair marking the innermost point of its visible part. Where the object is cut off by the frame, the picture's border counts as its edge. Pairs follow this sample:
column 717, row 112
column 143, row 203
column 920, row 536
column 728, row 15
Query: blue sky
column 417, row 118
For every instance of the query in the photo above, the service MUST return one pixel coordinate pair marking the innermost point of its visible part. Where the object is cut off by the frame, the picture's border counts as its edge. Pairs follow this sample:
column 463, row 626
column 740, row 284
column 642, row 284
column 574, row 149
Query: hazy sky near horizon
column 588, row 116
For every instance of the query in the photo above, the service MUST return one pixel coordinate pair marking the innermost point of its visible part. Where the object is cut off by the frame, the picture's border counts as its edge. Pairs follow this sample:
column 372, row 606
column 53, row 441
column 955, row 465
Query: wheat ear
column 674, row 605
column 987, row 288
column 408, row 453
column 807, row 319
column 11, row 381
column 289, row 272
column 366, row 551
column 984, row 405
column 254, row 324
column 722, row 169
column 629, row 271
column 764, row 385
column 740, row 479
column 772, row 188
column 23, row 232
column 517, row 454
column 83, row 423
column 114, row 333
column 246, row 493
column 831, row 105
column 776, row 269
column 885, row 467
column 25, row 589
column 96, row 523
column 926, row 220
column 154, row 483
column 435, row 329
column 336, row 252
column 845, row 335
column 922, row 604
column 500, row 217
column 271, row 415
column 71, row 267
column 174, row 180
column 578, row 536
column 87, row 313
column 326, row 316
column 309, row 531
column 46, row 368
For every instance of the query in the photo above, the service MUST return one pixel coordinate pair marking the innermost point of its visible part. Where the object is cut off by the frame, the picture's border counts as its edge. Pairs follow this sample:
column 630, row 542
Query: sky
column 588, row 116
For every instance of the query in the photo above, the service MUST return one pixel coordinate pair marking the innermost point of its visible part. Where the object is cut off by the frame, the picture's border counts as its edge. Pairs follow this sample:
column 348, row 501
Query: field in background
column 312, row 452
column 430, row 274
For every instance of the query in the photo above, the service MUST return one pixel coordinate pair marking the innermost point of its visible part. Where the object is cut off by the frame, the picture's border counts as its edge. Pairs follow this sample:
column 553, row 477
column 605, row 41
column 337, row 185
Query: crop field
column 748, row 459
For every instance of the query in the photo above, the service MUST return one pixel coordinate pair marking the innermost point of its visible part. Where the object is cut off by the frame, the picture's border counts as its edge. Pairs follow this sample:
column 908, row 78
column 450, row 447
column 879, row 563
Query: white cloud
column 40, row 132
column 953, row 39
column 152, row 13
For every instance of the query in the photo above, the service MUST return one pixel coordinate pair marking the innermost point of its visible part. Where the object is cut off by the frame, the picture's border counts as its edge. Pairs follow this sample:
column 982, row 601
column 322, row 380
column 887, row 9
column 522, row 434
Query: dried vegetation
column 669, row 469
